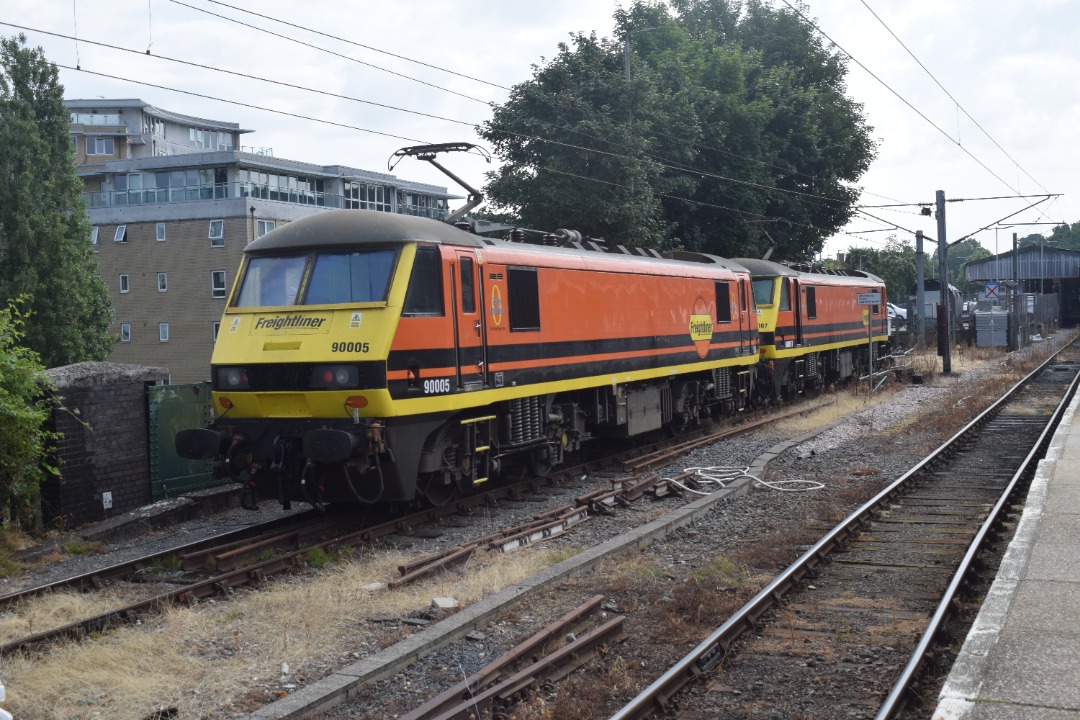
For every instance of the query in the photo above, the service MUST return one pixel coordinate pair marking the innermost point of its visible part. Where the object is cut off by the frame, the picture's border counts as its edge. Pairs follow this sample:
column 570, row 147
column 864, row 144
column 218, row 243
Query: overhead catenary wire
column 331, row 52
column 897, row 94
column 786, row 170
column 959, row 107
column 678, row 167
column 661, row 162
column 668, row 164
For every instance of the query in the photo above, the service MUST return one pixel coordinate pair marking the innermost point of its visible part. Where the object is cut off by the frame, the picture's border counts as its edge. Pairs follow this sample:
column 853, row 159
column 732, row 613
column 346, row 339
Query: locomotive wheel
column 436, row 491
column 249, row 500
column 681, row 420
column 540, row 463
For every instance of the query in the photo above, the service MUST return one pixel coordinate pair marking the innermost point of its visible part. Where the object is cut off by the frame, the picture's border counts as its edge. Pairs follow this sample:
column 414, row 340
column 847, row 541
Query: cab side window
column 524, row 299
column 723, row 302
column 425, row 294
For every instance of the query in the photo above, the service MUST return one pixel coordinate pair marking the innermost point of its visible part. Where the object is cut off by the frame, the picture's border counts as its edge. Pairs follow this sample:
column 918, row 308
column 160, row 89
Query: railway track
column 219, row 565
column 857, row 621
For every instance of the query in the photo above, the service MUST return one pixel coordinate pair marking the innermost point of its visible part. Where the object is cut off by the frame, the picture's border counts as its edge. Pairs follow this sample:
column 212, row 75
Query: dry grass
column 226, row 656
column 11, row 541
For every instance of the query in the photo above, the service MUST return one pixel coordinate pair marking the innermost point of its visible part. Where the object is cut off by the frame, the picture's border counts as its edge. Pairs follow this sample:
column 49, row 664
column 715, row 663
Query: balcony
column 223, row 191
column 97, row 119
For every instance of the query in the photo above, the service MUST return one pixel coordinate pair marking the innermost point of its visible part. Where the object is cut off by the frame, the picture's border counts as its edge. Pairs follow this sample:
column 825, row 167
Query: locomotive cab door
column 745, row 318
column 798, row 306
column 469, row 330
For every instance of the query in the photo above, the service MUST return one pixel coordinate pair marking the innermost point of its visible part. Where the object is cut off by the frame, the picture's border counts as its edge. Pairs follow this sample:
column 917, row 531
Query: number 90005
column 349, row 347
column 438, row 385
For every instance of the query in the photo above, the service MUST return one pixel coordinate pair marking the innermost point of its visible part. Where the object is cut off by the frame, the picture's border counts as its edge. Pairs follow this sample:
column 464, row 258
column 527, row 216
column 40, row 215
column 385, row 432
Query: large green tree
column 733, row 131
column 45, row 252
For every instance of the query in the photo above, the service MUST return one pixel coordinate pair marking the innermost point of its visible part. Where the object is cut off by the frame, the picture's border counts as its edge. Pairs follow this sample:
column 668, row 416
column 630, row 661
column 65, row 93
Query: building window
column 121, row 233
column 94, row 236
column 217, row 284
column 214, row 330
column 163, row 332
column 160, row 230
column 422, row 205
column 361, row 196
column 75, row 144
column 100, row 146
column 123, row 283
column 217, row 233
column 125, row 332
column 162, row 282
column 264, row 226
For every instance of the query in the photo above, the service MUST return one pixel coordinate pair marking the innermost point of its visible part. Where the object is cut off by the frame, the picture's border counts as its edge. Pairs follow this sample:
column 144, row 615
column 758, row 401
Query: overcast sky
column 1004, row 124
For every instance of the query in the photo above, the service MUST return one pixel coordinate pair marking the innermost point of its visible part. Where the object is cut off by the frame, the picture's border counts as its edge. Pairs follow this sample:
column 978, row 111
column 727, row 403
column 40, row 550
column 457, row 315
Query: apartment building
column 174, row 199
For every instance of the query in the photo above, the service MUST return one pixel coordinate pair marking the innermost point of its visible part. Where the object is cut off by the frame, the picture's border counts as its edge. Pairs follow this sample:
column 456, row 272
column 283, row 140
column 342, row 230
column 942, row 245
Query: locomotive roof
column 352, row 227
column 768, row 267
column 338, row 228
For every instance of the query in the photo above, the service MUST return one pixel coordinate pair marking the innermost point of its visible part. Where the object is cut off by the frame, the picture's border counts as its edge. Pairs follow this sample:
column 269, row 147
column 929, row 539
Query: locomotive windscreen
column 336, row 277
column 763, row 291
column 354, row 277
column 271, row 281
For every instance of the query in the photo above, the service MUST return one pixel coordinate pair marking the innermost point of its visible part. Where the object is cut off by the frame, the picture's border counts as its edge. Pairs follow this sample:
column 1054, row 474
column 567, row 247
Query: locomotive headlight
column 232, row 378
column 334, row 377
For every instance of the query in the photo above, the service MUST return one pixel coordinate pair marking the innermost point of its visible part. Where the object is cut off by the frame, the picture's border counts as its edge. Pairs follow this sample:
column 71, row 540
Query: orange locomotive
column 375, row 357
column 813, row 328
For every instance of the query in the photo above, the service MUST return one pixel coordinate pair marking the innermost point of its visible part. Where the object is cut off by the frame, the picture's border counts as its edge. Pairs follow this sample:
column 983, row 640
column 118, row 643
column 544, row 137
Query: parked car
column 895, row 311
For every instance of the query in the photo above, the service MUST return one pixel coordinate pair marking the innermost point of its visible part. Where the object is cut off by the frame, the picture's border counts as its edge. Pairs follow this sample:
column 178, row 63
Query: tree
column 24, row 408
column 896, row 265
column 45, row 252
column 1064, row 236
column 571, row 156
column 732, row 132
column 960, row 254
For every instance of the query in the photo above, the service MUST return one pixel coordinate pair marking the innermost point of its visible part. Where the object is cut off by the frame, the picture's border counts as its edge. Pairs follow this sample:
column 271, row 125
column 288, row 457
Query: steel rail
column 94, row 579
column 482, row 679
column 707, row 654
column 899, row 695
column 550, row 668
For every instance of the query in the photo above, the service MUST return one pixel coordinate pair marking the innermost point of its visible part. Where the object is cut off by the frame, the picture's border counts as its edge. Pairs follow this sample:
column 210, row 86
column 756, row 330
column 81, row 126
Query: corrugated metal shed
column 1033, row 263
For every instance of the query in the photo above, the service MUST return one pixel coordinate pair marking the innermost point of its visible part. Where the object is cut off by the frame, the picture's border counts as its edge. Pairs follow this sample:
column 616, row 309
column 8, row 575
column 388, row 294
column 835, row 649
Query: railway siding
column 335, row 688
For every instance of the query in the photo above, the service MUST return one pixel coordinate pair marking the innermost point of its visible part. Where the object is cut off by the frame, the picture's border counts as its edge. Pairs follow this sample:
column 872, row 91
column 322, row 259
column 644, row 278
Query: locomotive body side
column 813, row 329
column 474, row 355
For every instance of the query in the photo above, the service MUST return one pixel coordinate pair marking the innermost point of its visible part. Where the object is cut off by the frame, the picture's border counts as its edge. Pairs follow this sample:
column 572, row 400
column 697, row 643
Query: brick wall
column 105, row 447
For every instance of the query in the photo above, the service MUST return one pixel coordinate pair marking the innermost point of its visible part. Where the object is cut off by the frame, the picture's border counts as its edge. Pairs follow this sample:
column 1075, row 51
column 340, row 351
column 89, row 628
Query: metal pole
column 1014, row 299
column 943, row 264
column 1042, row 266
column 920, row 288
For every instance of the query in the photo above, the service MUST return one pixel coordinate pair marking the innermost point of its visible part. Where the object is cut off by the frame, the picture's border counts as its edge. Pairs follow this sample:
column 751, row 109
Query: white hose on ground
column 720, row 476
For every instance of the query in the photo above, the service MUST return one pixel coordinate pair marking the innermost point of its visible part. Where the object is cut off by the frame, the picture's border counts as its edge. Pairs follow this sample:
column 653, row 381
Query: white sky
column 1012, row 65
